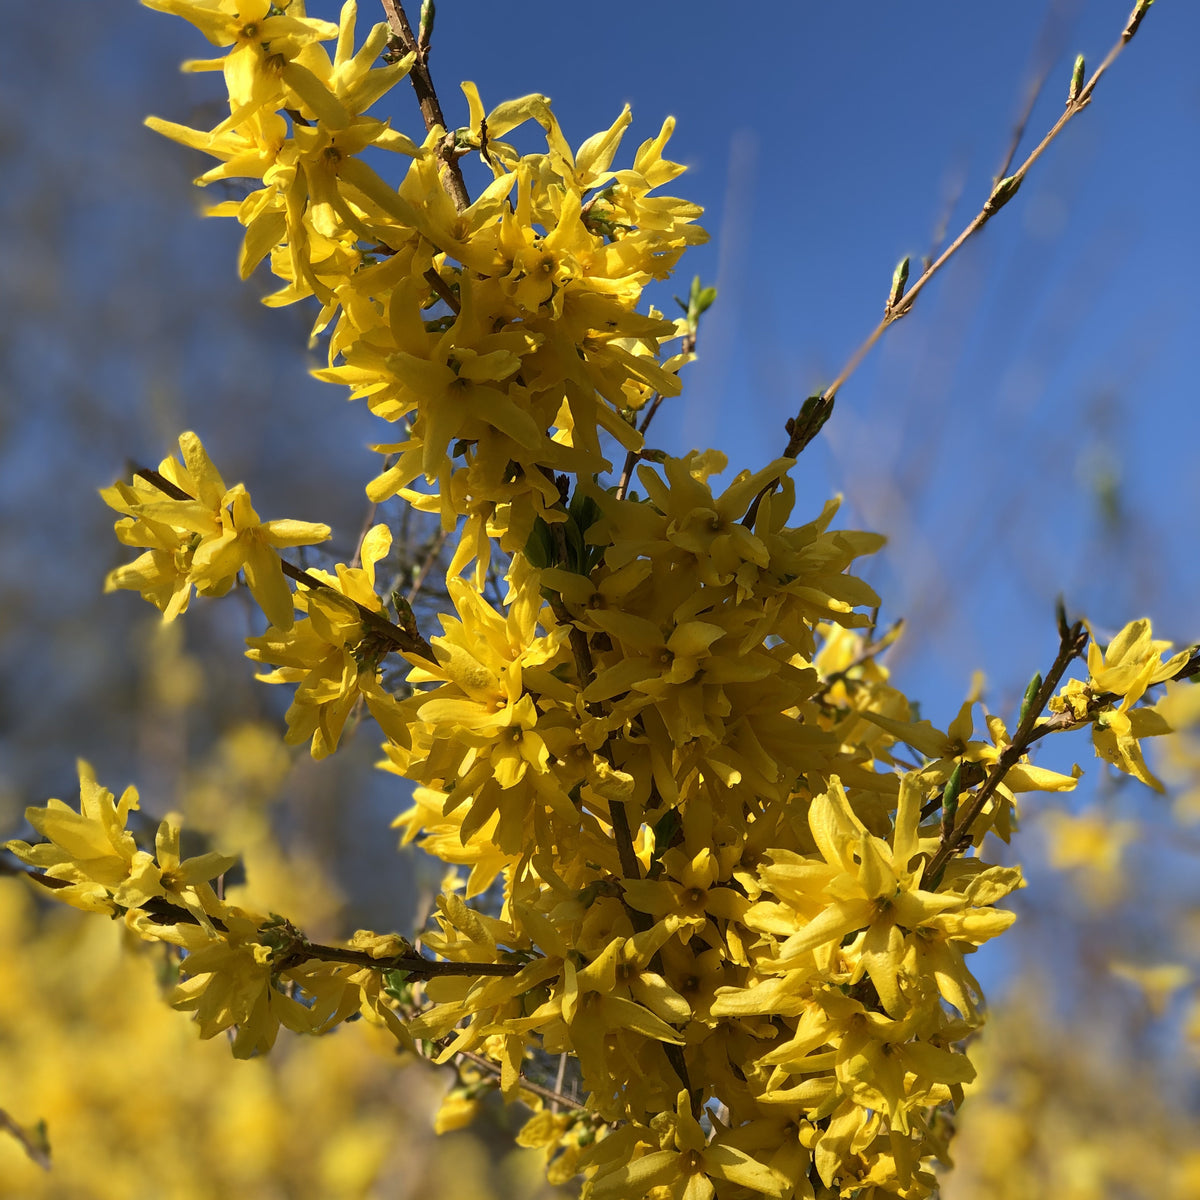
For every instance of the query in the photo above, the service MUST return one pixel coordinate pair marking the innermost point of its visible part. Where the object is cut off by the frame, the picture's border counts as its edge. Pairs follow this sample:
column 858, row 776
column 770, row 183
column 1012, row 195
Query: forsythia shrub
column 712, row 887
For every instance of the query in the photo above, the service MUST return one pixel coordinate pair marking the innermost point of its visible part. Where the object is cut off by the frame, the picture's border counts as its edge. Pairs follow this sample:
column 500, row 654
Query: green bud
column 702, row 299
column 1002, row 193
column 405, row 617
column 899, row 280
column 1135, row 19
column 395, row 983
column 950, row 795
column 666, row 828
column 1035, row 686
column 425, row 27
column 539, row 548
column 814, row 412
column 1076, row 80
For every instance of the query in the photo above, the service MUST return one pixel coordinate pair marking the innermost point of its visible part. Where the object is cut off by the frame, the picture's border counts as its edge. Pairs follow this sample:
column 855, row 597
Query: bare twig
column 802, row 431
column 404, row 40
column 1031, row 98
column 869, row 651
column 414, row 965
column 431, row 557
column 368, row 523
column 687, row 346
column 36, row 1147
column 1031, row 729
column 299, row 949
column 525, row 1084
column 442, row 288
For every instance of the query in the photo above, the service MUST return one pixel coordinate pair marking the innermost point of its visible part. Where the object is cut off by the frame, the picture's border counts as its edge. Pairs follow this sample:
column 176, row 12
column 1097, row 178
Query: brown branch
column 687, row 346
column 869, row 651
column 442, row 288
column 1031, row 98
column 631, row 458
column 38, row 1149
column 431, row 110
column 415, row 965
column 525, row 1084
column 431, row 557
column 1101, row 701
column 394, row 635
column 1031, row 730
column 299, row 949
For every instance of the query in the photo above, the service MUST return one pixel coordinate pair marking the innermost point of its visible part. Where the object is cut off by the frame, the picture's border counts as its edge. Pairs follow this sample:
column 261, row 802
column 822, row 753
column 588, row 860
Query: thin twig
column 164, row 912
column 368, row 522
column 442, row 288
column 869, row 651
column 524, row 1083
column 801, row 432
column 1031, row 98
column 427, row 565
column 687, row 346
column 991, row 206
column 431, row 110
column 415, row 965
column 558, row 1080
column 39, row 1153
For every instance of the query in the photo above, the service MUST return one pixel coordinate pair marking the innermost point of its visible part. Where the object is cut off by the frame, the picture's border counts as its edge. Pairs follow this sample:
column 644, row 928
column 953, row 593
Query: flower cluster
column 240, row 971
column 200, row 534
column 505, row 337
column 713, row 856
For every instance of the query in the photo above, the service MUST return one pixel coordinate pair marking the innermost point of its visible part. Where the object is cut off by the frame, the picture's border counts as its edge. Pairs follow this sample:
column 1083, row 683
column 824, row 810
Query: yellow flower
column 165, row 874
column 248, row 22
column 90, row 850
column 862, row 885
column 1131, row 663
column 203, row 539
column 685, row 1166
column 331, row 654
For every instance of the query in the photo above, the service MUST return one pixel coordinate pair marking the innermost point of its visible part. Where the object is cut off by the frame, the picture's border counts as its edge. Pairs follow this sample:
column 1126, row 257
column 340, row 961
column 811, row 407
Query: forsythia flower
column 201, row 534
column 332, row 654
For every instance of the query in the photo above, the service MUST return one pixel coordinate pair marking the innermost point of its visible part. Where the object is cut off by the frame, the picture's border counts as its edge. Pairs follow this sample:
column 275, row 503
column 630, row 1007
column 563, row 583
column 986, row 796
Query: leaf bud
column 425, row 26
column 950, row 795
column 899, row 280
column 1002, row 193
column 1135, row 18
column 1060, row 616
column 1076, row 80
column 1035, row 686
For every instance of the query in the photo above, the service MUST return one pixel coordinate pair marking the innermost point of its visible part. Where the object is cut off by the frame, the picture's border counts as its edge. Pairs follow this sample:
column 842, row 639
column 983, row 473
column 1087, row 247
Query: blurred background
column 1026, row 431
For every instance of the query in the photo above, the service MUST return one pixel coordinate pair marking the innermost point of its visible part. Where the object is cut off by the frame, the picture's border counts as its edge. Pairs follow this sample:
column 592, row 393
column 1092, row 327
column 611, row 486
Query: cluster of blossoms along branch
column 713, row 857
